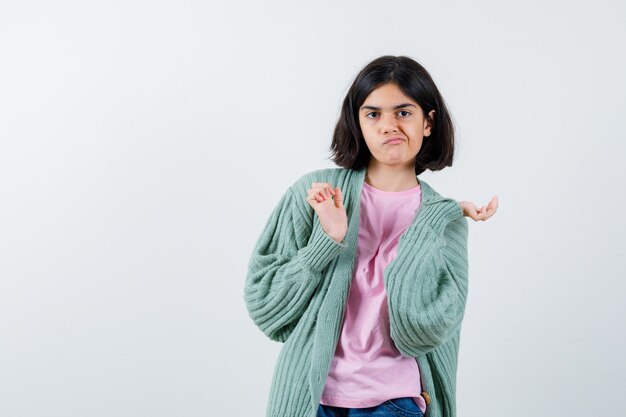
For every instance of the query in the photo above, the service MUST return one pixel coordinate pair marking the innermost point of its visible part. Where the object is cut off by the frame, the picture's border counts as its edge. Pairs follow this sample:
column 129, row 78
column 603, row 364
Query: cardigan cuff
column 321, row 250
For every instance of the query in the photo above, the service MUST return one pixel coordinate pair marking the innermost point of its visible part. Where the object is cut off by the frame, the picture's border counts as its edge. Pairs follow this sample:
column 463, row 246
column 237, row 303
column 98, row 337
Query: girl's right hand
column 328, row 204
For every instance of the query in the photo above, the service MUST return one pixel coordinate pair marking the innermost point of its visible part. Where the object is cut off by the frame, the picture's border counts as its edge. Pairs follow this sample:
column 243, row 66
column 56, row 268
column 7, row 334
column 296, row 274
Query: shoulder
column 441, row 202
column 329, row 175
column 443, row 210
column 298, row 189
column 320, row 175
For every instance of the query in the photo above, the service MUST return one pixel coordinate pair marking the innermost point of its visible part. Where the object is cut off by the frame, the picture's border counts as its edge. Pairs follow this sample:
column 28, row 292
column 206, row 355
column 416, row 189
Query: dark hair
column 349, row 149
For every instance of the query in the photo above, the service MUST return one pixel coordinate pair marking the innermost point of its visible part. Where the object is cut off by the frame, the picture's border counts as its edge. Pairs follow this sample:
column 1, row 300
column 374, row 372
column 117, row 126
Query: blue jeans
column 397, row 407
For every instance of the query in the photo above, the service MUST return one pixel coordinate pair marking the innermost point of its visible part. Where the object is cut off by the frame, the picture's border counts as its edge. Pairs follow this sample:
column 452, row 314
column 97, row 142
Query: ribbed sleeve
column 298, row 280
column 320, row 251
column 427, row 302
column 282, row 277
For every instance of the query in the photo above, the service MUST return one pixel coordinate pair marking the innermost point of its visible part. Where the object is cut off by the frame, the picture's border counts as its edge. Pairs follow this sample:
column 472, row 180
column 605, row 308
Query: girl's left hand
column 482, row 213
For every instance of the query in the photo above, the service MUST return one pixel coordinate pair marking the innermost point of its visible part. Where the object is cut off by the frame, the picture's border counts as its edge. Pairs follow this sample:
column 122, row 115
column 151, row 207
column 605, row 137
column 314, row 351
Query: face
column 388, row 113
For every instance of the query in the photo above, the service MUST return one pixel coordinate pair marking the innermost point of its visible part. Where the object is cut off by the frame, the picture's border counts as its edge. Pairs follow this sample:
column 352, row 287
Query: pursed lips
column 393, row 138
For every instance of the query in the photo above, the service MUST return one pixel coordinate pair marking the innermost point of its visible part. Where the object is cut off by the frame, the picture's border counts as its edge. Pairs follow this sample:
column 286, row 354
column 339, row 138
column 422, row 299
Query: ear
column 429, row 123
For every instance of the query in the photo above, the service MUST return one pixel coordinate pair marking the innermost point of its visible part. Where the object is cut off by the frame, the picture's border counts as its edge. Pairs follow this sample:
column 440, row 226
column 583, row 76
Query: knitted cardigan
column 298, row 281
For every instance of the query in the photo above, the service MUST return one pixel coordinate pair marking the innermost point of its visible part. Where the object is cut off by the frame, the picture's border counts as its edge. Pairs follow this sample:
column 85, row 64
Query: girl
column 361, row 270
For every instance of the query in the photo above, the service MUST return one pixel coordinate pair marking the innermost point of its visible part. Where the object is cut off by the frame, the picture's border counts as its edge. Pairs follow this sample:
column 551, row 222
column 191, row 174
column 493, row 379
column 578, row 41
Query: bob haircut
column 348, row 147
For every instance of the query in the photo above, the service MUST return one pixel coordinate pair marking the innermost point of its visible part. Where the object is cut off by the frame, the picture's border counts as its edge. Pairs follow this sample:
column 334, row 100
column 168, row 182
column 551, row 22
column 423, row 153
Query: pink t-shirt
column 367, row 368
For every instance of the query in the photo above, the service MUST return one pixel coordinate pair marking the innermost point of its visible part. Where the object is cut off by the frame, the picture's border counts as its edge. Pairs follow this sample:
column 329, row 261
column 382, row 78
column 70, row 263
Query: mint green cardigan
column 298, row 281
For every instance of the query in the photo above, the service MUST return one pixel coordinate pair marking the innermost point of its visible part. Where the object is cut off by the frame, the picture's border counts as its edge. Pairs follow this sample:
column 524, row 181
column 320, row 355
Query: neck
column 391, row 178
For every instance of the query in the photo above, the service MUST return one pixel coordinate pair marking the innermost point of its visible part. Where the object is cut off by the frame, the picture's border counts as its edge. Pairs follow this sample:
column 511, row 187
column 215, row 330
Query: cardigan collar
column 429, row 195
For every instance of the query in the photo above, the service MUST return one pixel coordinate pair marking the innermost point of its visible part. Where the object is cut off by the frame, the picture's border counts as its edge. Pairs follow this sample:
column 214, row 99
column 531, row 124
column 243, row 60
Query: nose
column 388, row 124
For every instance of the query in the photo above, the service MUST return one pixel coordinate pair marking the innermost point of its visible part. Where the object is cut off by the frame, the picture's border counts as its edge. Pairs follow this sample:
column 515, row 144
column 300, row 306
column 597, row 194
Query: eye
column 407, row 113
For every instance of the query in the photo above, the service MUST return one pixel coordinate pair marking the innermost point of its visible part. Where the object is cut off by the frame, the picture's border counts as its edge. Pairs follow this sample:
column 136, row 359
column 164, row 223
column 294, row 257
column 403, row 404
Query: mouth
column 395, row 139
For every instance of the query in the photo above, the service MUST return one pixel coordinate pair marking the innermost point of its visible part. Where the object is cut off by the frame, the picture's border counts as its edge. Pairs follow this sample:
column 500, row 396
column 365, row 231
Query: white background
column 144, row 144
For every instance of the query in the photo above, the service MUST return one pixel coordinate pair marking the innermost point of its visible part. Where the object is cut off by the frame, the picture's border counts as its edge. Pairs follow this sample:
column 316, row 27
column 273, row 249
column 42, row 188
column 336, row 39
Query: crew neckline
column 412, row 190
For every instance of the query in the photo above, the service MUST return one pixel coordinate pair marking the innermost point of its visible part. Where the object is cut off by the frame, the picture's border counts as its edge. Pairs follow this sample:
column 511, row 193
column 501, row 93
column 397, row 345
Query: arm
column 285, row 268
column 432, row 310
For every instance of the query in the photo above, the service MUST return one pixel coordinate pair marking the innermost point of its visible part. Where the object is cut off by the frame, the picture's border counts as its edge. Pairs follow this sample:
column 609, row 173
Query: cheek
column 371, row 145
column 365, row 128
column 417, row 144
column 369, row 137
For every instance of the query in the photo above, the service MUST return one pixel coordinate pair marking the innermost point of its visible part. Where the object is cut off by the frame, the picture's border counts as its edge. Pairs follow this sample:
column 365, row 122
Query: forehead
column 387, row 95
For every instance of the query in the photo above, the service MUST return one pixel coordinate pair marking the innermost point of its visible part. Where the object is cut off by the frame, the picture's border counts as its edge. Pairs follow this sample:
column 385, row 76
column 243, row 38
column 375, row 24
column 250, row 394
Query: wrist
column 337, row 237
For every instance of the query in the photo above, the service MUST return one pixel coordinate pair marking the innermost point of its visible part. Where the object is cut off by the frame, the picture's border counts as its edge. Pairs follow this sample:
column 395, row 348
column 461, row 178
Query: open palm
column 479, row 213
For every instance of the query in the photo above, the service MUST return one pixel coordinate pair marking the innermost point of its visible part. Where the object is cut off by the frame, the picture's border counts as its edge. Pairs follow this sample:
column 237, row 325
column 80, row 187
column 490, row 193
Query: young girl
column 361, row 270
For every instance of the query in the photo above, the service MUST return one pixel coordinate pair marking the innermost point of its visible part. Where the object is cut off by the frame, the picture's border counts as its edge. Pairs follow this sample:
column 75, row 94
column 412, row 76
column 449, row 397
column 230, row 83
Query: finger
column 324, row 185
column 319, row 188
column 311, row 192
column 316, row 190
column 320, row 184
column 315, row 195
column 312, row 199
column 338, row 198
column 493, row 207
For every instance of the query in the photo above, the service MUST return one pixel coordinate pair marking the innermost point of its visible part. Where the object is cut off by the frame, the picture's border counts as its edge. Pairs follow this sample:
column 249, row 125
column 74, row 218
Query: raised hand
column 482, row 213
column 328, row 204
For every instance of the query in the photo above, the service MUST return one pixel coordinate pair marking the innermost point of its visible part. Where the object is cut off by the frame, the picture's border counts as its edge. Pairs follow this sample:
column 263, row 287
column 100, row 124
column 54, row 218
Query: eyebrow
column 399, row 106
